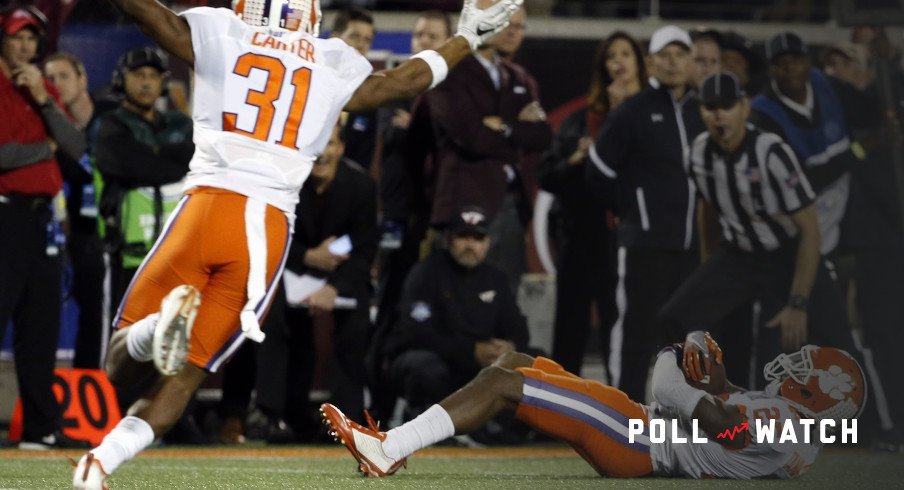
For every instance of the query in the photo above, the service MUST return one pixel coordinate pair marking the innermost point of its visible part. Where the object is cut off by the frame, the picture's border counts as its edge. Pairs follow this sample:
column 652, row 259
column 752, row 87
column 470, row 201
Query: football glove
column 477, row 25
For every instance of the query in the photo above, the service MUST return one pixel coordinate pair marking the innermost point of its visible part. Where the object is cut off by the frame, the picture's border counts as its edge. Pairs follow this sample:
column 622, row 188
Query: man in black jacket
column 457, row 315
column 142, row 155
column 639, row 159
column 338, row 199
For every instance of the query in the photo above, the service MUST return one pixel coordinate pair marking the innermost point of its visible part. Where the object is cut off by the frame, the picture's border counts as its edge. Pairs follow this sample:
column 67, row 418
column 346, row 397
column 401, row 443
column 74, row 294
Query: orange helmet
column 821, row 382
column 289, row 15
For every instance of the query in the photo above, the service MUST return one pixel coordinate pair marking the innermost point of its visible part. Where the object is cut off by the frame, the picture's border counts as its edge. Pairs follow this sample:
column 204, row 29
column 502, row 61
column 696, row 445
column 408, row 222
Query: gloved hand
column 477, row 25
column 697, row 345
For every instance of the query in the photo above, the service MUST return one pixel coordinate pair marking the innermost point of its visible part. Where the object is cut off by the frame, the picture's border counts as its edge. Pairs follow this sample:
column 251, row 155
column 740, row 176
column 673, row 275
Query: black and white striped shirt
column 754, row 190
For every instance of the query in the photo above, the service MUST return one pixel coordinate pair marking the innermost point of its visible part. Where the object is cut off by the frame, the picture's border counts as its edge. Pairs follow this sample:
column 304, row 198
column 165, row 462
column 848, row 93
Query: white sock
column 426, row 429
column 126, row 440
column 140, row 338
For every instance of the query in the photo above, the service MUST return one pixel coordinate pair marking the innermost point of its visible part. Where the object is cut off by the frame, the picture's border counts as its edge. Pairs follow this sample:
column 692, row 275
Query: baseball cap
column 21, row 18
column 721, row 90
column 668, row 35
column 849, row 50
column 785, row 42
column 470, row 219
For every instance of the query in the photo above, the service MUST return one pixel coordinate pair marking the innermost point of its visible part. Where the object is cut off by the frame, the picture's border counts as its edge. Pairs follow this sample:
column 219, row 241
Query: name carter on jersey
column 301, row 47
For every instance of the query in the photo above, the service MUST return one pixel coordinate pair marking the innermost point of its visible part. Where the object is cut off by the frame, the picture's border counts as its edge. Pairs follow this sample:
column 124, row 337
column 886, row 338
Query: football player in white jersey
column 813, row 384
column 267, row 93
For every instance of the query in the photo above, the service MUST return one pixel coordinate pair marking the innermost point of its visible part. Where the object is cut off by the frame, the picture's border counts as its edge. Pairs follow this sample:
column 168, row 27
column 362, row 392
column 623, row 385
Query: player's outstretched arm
column 162, row 25
column 429, row 68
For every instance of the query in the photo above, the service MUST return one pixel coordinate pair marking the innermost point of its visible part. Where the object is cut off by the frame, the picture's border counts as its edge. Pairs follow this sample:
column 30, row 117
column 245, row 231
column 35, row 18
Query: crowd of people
column 702, row 185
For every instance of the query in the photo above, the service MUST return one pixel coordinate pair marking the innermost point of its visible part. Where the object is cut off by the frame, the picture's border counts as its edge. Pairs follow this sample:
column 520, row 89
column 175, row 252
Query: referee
column 753, row 184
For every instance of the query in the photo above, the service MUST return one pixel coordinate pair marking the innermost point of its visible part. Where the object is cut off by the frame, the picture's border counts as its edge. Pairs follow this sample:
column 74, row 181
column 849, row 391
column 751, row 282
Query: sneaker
column 56, row 440
column 88, row 474
column 365, row 444
column 177, row 314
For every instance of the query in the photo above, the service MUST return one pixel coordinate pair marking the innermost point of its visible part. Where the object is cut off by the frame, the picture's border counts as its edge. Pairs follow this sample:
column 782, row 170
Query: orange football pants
column 204, row 244
column 588, row 415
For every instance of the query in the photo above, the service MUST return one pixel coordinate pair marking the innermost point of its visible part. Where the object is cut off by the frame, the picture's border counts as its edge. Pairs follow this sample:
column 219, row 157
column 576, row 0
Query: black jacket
column 347, row 207
column 583, row 211
column 639, row 158
column 446, row 309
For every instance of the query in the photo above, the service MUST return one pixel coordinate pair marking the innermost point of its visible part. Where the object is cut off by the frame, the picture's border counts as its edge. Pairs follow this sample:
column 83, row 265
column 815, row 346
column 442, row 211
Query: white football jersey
column 265, row 103
column 756, row 460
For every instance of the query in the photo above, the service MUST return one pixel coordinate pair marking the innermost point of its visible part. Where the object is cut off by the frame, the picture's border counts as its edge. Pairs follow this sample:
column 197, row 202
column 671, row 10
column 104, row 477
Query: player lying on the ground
column 814, row 383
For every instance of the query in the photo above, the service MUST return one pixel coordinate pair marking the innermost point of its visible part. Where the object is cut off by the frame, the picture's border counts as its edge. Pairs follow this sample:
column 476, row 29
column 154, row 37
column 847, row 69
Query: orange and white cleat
column 177, row 315
column 365, row 444
column 88, row 474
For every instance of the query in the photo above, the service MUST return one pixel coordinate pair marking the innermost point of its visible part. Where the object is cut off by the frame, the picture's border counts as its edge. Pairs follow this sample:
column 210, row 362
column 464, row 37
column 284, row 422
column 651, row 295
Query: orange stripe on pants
column 205, row 246
column 563, row 405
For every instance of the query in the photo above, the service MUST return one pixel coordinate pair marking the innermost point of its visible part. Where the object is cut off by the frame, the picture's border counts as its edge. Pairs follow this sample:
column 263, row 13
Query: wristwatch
column 798, row 302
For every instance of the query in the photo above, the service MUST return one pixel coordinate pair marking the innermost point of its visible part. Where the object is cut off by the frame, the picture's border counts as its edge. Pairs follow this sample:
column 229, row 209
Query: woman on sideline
column 585, row 270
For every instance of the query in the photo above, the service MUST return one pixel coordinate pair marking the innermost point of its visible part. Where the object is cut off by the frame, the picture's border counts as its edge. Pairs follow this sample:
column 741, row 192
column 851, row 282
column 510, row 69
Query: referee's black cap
column 722, row 90
column 785, row 42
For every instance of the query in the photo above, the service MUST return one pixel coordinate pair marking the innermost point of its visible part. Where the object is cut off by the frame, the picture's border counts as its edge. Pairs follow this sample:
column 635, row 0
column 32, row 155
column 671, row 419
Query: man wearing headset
column 142, row 155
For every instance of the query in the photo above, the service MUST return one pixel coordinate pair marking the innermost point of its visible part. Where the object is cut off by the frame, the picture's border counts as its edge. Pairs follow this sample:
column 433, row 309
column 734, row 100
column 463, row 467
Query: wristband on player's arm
column 670, row 387
column 438, row 66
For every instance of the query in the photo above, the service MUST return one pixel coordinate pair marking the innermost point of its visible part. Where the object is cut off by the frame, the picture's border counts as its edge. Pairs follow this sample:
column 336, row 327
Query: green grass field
column 332, row 468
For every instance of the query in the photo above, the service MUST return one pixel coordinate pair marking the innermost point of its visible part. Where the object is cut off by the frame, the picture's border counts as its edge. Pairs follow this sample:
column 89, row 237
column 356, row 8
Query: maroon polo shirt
column 20, row 122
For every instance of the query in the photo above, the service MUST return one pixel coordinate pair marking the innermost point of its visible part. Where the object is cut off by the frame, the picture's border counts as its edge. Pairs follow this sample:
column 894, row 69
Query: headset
column 135, row 58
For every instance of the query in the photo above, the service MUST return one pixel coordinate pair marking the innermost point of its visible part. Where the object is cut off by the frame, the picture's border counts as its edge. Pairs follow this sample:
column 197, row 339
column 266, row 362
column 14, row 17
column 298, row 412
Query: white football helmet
column 821, row 382
column 288, row 15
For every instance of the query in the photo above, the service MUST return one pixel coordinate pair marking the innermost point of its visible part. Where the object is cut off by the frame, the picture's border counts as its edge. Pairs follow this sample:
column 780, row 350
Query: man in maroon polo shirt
column 32, row 129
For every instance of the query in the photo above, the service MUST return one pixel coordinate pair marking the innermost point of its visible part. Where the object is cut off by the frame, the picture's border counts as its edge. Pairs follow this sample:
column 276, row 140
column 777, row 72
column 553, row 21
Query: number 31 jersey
column 265, row 104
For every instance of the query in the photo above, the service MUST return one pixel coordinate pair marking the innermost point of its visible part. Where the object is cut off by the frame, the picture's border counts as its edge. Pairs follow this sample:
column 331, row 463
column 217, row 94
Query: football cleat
column 177, row 314
column 88, row 474
column 365, row 444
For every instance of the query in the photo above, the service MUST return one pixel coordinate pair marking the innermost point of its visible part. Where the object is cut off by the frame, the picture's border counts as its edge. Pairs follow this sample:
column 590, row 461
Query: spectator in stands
column 84, row 246
column 457, row 315
column 33, row 128
column 585, row 272
column 338, row 200
column 355, row 26
column 638, row 158
column 707, row 54
column 486, row 115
